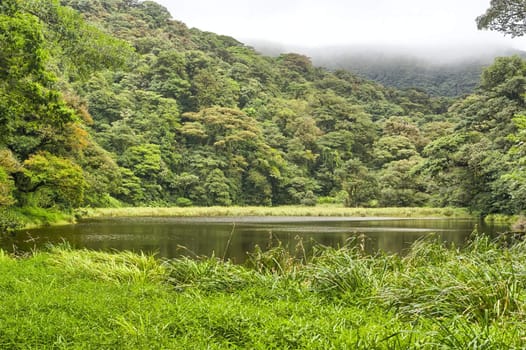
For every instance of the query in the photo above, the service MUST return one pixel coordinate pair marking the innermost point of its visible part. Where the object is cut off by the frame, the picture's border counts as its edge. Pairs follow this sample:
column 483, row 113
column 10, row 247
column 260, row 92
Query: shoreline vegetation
column 37, row 217
column 146, row 111
column 435, row 297
column 321, row 210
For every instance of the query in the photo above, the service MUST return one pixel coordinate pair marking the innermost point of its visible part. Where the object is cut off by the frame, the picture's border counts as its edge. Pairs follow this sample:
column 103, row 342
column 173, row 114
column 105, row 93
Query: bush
column 309, row 199
column 9, row 221
column 183, row 202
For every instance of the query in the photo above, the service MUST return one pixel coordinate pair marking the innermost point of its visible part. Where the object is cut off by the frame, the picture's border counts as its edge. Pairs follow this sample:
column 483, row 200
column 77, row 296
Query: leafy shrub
column 9, row 221
column 309, row 199
column 183, row 202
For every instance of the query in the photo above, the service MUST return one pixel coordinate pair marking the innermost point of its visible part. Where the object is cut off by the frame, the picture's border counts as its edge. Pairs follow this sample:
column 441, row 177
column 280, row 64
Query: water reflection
column 173, row 237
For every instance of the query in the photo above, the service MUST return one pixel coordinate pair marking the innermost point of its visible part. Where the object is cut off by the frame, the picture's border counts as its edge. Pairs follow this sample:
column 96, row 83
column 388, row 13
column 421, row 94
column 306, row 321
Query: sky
column 316, row 23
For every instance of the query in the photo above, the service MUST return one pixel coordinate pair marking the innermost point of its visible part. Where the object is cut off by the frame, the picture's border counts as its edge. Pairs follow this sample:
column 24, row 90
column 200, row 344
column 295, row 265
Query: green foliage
column 130, row 189
column 309, row 199
column 7, row 186
column 391, row 148
column 401, row 185
column 505, row 76
column 473, row 161
column 144, row 160
column 508, row 17
column 434, row 297
column 399, row 71
column 359, row 183
column 183, row 202
column 104, row 103
column 31, row 111
column 35, row 217
column 102, row 174
column 49, row 180
column 217, row 189
column 82, row 48
column 9, row 221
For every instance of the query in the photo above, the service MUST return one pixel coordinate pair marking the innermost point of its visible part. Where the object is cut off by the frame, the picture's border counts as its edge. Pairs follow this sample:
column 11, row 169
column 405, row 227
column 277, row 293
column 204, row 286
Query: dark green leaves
column 506, row 16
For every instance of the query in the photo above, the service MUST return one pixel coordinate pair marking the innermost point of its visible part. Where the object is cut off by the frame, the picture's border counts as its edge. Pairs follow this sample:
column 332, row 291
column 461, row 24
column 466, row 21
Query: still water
column 233, row 237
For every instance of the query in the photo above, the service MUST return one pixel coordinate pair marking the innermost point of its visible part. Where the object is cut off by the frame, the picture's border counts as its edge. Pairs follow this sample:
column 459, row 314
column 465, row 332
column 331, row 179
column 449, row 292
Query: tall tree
column 506, row 16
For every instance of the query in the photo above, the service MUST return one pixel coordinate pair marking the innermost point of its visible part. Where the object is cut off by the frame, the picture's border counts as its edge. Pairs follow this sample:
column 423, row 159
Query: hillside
column 402, row 72
column 118, row 104
column 437, row 75
column 449, row 71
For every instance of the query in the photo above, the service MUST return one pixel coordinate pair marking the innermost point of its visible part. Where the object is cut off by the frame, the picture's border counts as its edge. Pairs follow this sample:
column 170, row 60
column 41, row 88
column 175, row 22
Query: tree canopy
column 506, row 16
column 137, row 109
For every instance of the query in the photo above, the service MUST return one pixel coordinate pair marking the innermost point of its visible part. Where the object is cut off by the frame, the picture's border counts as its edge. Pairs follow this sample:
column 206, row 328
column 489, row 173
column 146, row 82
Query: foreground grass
column 433, row 298
column 321, row 210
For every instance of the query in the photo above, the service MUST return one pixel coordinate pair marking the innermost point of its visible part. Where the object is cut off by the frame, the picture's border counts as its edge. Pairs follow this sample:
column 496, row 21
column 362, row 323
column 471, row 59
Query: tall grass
column 483, row 282
column 3, row 256
column 321, row 210
column 344, row 271
column 435, row 297
column 125, row 266
column 208, row 274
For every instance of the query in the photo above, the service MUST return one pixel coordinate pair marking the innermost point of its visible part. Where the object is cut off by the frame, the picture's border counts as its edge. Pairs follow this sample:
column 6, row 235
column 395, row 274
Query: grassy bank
column 36, row 217
column 433, row 298
column 16, row 218
column 503, row 219
column 321, row 210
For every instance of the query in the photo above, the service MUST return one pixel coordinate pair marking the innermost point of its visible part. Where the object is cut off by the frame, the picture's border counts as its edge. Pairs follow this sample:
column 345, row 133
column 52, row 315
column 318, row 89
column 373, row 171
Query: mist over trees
column 448, row 70
column 109, row 103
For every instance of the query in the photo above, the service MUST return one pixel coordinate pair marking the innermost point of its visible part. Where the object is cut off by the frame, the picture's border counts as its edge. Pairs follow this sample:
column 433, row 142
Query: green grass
column 31, row 217
column 16, row 218
column 433, row 298
column 502, row 219
column 321, row 210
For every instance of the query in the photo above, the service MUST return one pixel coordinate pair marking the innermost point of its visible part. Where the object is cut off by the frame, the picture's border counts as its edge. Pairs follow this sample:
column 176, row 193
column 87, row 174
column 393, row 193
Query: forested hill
column 438, row 79
column 438, row 72
column 107, row 103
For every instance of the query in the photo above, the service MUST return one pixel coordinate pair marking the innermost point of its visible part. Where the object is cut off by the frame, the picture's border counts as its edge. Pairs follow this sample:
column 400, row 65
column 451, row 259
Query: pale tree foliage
column 506, row 16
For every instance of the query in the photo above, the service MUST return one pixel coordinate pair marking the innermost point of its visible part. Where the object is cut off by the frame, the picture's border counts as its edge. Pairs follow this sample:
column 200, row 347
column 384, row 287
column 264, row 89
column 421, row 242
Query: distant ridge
column 439, row 71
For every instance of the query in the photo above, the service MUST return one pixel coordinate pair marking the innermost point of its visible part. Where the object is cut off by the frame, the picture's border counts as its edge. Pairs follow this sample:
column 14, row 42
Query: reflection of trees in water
column 167, row 237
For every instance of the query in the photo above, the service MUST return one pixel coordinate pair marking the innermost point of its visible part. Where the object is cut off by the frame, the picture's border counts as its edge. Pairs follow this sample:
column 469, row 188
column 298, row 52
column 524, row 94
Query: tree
column 6, row 188
column 359, row 183
column 102, row 176
column 8, row 166
column 391, row 148
column 32, row 111
column 506, row 16
column 79, row 49
column 216, row 186
column 514, row 180
column 144, row 160
column 212, row 88
column 447, row 166
column 48, row 180
column 401, row 185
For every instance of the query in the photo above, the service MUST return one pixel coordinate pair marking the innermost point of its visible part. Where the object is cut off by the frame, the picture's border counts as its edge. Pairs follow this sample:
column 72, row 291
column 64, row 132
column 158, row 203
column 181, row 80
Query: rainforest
column 115, row 108
column 114, row 103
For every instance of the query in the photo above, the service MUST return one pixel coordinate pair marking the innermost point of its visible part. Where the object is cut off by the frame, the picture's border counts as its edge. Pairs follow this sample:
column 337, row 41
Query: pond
column 233, row 237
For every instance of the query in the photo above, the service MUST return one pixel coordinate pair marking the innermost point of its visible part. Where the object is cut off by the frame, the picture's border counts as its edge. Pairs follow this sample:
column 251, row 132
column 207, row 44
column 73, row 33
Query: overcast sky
column 341, row 22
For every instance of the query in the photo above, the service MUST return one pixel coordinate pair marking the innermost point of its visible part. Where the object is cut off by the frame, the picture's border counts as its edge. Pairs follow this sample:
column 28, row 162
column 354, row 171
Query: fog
column 428, row 28
column 439, row 54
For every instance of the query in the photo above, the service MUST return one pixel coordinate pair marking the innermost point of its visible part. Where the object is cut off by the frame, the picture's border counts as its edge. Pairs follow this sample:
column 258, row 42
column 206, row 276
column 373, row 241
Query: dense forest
column 451, row 77
column 112, row 103
column 449, row 71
